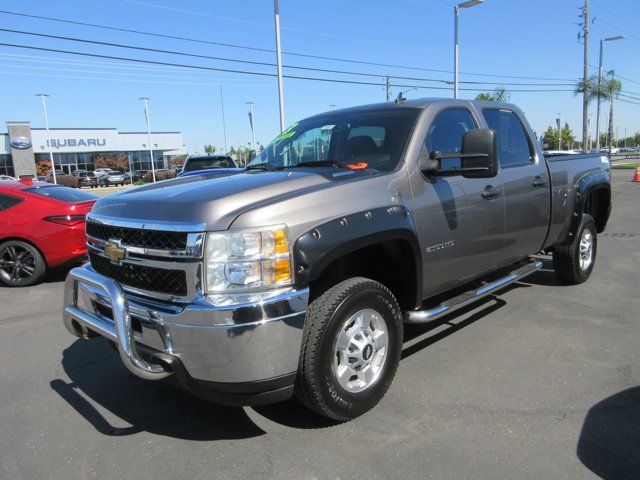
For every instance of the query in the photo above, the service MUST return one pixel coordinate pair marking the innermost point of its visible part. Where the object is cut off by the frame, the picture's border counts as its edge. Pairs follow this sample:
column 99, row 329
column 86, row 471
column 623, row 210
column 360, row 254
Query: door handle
column 538, row 182
column 490, row 192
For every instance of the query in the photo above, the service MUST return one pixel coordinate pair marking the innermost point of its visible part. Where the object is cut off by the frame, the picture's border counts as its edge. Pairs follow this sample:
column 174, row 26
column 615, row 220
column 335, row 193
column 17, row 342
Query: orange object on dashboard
column 357, row 166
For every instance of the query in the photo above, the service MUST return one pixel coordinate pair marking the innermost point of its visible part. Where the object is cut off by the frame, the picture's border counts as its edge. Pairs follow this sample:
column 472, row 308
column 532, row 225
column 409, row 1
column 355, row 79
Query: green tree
column 210, row 149
column 500, row 94
column 609, row 90
column 550, row 139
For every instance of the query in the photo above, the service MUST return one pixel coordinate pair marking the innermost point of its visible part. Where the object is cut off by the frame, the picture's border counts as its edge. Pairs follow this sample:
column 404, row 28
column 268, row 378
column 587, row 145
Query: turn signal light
column 68, row 220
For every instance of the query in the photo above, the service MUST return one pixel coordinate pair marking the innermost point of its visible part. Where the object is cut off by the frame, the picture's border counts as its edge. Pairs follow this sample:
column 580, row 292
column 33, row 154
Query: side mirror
column 428, row 163
column 252, row 155
column 479, row 154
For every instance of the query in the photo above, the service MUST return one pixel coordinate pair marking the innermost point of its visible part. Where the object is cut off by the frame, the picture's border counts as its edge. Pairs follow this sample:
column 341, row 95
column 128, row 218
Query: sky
column 498, row 39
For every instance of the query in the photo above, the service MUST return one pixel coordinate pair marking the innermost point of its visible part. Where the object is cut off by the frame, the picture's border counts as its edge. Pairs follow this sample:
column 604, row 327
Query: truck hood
column 208, row 202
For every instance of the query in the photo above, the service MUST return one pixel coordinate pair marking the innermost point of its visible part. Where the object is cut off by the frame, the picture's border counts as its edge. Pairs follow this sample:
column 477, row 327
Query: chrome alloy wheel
column 16, row 263
column 360, row 350
column 586, row 249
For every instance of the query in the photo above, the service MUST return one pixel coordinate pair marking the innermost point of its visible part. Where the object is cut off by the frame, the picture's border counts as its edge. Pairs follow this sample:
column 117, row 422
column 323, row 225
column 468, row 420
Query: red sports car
column 41, row 226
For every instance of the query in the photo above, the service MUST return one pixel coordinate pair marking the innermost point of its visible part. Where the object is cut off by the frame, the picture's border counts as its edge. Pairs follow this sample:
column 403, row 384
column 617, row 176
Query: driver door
column 460, row 221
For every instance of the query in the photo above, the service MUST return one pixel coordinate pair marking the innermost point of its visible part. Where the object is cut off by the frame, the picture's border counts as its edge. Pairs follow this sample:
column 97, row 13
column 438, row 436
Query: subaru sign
column 20, row 143
column 78, row 142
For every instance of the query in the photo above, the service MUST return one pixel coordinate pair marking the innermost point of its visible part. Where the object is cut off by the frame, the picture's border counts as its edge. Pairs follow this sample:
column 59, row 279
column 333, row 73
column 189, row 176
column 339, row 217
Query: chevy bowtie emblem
column 114, row 252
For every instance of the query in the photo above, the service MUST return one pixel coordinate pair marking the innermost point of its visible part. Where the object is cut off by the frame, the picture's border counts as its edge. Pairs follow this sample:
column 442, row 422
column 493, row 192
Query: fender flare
column 589, row 183
column 317, row 248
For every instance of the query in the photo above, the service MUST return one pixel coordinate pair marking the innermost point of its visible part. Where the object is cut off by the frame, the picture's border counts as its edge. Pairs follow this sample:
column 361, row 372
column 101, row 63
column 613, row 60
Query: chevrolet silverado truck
column 295, row 276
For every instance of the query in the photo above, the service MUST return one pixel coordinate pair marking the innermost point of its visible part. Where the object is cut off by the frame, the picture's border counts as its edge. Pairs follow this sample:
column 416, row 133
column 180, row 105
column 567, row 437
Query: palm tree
column 500, row 94
column 609, row 89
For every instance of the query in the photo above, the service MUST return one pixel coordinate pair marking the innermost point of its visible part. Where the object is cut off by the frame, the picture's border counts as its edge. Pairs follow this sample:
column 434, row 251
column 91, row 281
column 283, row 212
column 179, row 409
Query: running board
column 464, row 299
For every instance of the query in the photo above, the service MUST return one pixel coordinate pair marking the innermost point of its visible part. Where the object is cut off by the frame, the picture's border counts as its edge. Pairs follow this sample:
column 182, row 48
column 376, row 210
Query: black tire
column 21, row 264
column 566, row 258
column 317, row 385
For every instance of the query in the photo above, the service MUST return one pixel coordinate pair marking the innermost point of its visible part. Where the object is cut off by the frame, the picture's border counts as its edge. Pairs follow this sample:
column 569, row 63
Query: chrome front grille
column 161, row 261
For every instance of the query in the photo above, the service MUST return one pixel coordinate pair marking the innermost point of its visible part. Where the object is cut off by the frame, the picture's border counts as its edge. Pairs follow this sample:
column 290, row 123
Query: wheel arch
column 592, row 196
column 25, row 240
column 379, row 244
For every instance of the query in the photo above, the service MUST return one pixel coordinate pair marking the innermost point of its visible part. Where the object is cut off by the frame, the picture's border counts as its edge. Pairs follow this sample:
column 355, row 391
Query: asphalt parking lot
column 541, row 381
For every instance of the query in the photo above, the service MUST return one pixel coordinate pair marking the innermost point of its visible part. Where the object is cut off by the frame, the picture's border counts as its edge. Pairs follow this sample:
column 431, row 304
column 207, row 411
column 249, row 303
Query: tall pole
column 46, row 124
column 387, row 86
column 253, row 131
column 625, row 138
column 224, row 125
column 276, row 15
column 559, row 131
column 585, row 79
column 456, row 11
column 599, row 90
column 146, row 114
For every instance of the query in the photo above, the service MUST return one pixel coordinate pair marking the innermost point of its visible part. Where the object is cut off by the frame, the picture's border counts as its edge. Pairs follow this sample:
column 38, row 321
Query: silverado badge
column 114, row 252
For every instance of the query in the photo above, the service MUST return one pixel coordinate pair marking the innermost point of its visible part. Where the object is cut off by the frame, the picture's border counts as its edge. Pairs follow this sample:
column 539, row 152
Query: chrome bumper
column 241, row 343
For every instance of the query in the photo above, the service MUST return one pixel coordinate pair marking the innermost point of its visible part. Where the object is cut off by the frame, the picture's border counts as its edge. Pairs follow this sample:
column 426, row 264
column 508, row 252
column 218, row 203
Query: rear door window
column 514, row 147
column 8, row 201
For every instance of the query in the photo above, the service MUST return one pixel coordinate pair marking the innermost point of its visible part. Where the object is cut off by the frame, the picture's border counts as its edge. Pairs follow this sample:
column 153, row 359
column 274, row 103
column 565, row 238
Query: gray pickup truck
column 295, row 277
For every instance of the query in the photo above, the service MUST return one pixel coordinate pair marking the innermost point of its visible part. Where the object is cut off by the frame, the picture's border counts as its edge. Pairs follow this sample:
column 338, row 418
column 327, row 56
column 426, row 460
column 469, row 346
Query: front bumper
column 243, row 352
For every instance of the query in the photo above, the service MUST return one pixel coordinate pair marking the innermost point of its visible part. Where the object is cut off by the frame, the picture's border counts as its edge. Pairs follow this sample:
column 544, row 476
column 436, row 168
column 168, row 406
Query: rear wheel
column 573, row 263
column 21, row 264
column 350, row 350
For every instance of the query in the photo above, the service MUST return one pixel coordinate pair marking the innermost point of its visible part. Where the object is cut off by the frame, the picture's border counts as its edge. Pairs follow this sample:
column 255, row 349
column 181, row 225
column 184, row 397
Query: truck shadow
column 98, row 377
column 609, row 443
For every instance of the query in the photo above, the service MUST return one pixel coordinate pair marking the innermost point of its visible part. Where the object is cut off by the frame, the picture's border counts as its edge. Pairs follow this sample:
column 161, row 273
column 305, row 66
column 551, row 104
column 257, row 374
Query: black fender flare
column 589, row 183
column 317, row 248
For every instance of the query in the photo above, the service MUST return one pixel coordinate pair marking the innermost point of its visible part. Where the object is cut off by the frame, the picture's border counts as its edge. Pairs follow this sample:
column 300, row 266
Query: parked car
column 42, row 227
column 209, row 164
column 7, row 177
column 87, row 179
column 118, row 178
column 103, row 172
column 295, row 276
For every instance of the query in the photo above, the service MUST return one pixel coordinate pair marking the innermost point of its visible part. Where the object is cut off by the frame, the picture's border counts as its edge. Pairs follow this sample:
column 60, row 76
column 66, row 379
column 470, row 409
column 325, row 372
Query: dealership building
column 78, row 148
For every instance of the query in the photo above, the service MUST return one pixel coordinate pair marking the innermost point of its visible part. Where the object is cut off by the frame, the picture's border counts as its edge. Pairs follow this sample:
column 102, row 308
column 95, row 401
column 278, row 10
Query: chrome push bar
column 120, row 332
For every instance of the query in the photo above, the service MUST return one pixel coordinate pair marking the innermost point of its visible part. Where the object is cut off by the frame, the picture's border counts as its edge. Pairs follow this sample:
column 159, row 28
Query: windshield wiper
column 258, row 166
column 320, row 163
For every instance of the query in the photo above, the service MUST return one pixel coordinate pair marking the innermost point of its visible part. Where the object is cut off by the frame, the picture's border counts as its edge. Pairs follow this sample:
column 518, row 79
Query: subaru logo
column 20, row 143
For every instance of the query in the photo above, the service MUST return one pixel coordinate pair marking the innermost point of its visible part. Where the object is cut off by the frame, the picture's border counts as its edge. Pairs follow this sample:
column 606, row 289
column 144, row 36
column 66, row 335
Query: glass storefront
column 131, row 160
column 6, row 165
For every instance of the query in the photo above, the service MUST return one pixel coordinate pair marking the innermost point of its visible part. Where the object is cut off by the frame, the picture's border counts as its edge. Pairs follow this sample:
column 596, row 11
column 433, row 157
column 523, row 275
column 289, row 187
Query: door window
column 445, row 134
column 514, row 147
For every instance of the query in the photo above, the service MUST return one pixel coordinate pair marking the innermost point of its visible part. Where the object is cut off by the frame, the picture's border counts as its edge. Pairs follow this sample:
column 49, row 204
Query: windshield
column 65, row 194
column 194, row 164
column 371, row 139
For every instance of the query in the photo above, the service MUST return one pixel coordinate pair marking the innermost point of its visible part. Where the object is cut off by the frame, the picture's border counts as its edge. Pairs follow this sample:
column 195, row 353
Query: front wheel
column 351, row 349
column 21, row 264
column 573, row 263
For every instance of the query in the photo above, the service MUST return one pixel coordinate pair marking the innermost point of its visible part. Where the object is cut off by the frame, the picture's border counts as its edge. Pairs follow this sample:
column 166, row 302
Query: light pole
column 276, row 17
column 456, row 11
column 224, row 125
column 602, row 40
column 333, row 106
column 146, row 114
column 559, row 131
column 46, row 124
column 253, row 132
column 625, row 138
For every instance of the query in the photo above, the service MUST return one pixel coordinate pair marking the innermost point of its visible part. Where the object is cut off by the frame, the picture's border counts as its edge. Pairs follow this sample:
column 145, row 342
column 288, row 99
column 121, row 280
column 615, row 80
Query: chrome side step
column 464, row 299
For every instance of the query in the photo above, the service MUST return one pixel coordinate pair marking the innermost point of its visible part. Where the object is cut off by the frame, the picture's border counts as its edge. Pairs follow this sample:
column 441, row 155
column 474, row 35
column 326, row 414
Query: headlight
column 247, row 260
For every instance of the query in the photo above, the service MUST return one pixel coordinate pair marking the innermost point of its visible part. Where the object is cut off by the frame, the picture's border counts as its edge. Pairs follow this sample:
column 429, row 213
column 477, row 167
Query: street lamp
column 46, row 124
column 333, row 106
column 253, row 132
column 146, row 114
column 602, row 40
column 456, row 12
column 276, row 18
